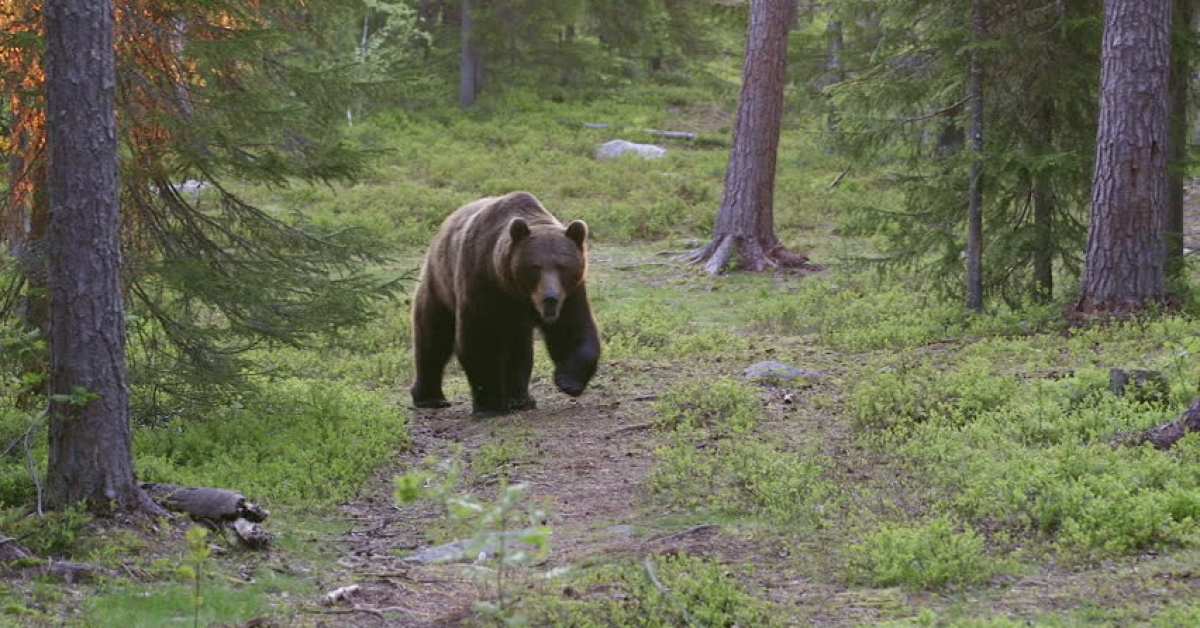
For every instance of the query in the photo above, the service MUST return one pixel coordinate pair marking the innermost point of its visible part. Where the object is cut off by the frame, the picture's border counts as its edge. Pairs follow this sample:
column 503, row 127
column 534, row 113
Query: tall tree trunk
column 468, row 60
column 746, row 220
column 1043, row 196
column 975, row 194
column 1043, row 252
column 1123, row 270
column 91, row 457
column 1180, row 87
column 834, row 74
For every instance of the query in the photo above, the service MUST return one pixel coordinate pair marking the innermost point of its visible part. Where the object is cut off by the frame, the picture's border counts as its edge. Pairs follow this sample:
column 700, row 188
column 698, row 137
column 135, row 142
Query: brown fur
column 499, row 267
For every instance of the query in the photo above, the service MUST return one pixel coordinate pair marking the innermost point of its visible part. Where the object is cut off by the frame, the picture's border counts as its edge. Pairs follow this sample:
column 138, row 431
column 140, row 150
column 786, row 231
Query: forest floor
column 588, row 462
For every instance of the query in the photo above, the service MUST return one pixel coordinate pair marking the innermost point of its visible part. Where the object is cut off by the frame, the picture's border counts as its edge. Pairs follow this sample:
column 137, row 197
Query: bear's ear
column 518, row 229
column 577, row 232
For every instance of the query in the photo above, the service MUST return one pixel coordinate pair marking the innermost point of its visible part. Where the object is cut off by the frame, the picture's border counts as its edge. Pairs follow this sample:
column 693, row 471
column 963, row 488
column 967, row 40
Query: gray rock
column 452, row 552
column 466, row 550
column 616, row 148
column 772, row 371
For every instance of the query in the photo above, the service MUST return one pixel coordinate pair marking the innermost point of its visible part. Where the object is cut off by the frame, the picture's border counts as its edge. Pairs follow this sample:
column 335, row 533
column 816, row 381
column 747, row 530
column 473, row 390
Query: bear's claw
column 569, row 385
column 431, row 403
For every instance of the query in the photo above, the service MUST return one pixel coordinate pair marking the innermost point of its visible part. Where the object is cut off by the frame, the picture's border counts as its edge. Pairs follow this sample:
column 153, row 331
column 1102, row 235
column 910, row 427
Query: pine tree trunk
column 1043, row 200
column 91, row 458
column 975, row 194
column 1123, row 270
column 745, row 222
column 468, row 59
column 1180, row 87
column 1043, row 252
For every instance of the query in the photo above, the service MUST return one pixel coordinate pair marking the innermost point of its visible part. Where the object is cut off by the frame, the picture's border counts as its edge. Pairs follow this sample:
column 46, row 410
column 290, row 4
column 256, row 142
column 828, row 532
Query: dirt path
column 587, row 463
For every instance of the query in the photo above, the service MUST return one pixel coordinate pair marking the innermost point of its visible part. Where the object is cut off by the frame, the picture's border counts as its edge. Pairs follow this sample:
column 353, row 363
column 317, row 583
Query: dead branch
column 1164, row 436
column 839, row 178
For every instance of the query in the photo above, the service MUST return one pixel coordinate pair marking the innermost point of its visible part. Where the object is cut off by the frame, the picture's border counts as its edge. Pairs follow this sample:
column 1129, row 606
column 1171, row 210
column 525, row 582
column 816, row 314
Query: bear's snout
column 550, row 307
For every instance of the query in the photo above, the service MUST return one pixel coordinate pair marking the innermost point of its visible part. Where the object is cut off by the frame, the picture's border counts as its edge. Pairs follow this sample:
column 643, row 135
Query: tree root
column 752, row 255
column 1165, row 436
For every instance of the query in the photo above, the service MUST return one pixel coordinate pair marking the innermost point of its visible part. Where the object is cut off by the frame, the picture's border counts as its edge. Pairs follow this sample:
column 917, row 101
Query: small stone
column 776, row 372
column 454, row 551
column 616, row 148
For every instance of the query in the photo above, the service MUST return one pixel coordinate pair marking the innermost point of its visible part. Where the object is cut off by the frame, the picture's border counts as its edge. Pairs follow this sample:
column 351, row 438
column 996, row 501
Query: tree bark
column 746, row 220
column 467, row 70
column 91, row 457
column 1180, row 88
column 1123, row 269
column 975, row 193
column 1043, row 198
column 834, row 74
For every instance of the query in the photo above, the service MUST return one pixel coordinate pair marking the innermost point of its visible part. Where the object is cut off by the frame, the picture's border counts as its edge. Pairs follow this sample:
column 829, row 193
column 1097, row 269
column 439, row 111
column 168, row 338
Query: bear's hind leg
column 483, row 353
column 520, row 367
column 433, row 343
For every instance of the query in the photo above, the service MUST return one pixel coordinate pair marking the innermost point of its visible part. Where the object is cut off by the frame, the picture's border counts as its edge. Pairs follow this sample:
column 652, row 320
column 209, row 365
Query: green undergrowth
column 662, row 591
column 717, row 457
column 1175, row 615
column 859, row 311
column 932, row 555
column 1030, row 449
column 293, row 442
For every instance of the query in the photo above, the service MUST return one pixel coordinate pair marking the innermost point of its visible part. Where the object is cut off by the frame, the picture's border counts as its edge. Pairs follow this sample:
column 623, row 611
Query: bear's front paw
column 431, row 403
column 490, row 413
column 569, row 384
column 526, row 403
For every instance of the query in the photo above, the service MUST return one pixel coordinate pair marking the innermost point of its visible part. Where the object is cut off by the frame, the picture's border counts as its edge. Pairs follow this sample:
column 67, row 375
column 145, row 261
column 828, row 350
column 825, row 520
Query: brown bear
column 498, row 268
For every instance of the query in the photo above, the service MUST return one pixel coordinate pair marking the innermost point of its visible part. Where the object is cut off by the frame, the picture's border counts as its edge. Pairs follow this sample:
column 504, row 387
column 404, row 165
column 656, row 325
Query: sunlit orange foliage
column 155, row 89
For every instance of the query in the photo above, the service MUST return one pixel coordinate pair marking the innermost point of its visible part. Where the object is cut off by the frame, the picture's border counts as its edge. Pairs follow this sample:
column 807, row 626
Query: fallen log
column 1164, row 436
column 215, row 504
column 218, row 506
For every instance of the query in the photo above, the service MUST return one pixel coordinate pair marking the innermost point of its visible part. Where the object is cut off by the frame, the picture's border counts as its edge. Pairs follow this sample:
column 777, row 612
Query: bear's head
column 547, row 263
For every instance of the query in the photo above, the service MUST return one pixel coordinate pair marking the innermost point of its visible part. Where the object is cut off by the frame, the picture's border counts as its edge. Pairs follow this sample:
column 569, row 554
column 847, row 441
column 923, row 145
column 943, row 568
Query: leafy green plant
column 930, row 555
column 193, row 568
column 514, row 534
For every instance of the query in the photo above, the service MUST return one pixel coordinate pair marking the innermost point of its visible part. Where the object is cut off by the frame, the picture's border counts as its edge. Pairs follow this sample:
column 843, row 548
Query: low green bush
column 673, row 591
column 716, row 460
column 294, row 441
column 930, row 555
